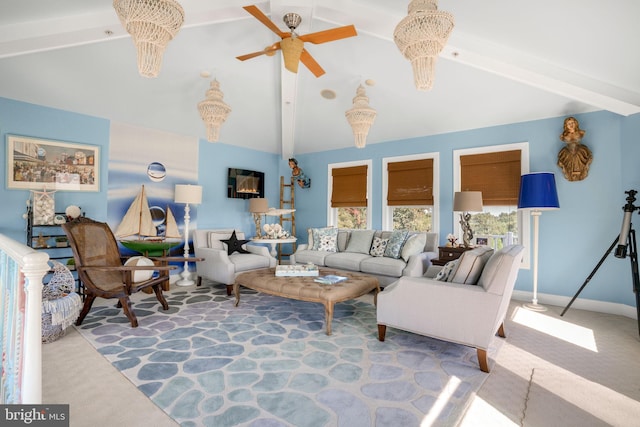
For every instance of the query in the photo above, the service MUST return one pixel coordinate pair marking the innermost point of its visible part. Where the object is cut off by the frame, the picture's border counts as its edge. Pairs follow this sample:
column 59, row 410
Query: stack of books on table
column 297, row 270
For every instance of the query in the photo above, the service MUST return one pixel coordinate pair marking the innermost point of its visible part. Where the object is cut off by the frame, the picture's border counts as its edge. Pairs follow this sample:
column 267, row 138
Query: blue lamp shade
column 538, row 191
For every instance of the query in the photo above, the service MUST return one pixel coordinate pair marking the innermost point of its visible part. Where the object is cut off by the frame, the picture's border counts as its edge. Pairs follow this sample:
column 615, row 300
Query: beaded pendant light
column 421, row 36
column 213, row 111
column 360, row 117
column 152, row 25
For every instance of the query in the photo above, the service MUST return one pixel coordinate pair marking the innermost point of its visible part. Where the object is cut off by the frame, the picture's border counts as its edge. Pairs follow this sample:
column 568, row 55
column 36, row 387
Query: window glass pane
column 497, row 224
column 413, row 218
column 352, row 218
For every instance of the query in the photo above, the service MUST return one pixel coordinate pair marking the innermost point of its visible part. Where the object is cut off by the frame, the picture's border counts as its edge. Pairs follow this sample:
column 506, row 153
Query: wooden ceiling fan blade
column 269, row 51
column 330, row 35
column 260, row 16
column 310, row 63
column 251, row 55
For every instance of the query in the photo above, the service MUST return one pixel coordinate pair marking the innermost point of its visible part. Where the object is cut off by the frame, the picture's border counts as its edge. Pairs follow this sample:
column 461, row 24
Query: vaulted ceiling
column 505, row 62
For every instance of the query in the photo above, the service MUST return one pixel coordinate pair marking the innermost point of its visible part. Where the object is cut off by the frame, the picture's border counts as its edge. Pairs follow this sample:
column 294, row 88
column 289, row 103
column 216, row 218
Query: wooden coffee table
column 303, row 288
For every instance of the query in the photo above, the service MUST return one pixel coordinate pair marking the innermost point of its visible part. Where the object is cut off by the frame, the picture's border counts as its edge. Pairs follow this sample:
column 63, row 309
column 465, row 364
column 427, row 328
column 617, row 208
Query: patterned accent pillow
column 328, row 243
column 396, row 241
column 319, row 233
column 378, row 246
column 444, row 274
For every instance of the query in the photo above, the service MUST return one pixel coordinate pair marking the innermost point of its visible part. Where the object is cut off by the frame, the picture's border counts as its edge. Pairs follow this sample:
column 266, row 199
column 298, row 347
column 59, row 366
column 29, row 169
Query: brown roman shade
column 497, row 175
column 349, row 187
column 410, row 183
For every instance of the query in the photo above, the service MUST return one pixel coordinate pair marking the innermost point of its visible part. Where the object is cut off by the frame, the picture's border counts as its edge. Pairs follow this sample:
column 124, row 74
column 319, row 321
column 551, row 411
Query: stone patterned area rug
column 269, row 363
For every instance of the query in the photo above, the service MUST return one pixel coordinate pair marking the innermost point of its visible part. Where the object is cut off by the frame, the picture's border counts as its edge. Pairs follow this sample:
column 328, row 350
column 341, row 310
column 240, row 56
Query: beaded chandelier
column 152, row 25
column 421, row 36
column 360, row 117
column 213, row 111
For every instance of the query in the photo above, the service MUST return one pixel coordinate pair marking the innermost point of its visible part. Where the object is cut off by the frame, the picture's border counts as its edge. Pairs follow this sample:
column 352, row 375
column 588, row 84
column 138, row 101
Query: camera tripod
column 627, row 237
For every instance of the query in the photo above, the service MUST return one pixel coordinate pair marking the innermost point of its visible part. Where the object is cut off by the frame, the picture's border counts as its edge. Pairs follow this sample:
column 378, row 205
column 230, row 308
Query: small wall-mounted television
column 245, row 184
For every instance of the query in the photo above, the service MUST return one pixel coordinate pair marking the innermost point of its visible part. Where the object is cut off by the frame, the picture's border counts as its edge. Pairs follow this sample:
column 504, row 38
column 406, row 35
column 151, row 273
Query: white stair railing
column 21, row 272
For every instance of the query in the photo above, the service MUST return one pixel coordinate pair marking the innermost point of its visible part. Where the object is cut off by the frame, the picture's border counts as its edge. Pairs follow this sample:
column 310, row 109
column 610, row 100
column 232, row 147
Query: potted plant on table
column 61, row 242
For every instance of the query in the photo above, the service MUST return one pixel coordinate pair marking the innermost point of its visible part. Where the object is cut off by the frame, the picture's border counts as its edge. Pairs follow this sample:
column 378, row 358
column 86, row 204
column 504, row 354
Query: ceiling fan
column 292, row 44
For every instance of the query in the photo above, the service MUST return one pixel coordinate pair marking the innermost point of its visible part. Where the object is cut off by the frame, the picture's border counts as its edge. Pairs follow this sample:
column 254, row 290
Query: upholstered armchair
column 222, row 267
column 468, row 307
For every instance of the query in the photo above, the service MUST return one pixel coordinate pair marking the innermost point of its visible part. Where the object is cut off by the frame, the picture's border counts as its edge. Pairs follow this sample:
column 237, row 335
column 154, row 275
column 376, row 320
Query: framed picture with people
column 36, row 164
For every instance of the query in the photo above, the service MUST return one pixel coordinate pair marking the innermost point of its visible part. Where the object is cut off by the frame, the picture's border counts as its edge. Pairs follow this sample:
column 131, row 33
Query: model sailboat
column 138, row 232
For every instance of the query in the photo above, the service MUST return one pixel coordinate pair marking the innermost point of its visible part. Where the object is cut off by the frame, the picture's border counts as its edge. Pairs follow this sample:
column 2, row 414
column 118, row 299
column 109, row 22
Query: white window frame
column 387, row 211
column 332, row 213
column 524, row 233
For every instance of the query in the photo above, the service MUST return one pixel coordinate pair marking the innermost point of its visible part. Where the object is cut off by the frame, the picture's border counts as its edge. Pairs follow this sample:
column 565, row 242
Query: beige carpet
column 582, row 369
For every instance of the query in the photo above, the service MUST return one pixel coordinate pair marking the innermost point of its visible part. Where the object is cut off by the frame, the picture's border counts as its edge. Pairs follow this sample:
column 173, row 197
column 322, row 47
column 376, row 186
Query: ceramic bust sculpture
column 296, row 172
column 574, row 158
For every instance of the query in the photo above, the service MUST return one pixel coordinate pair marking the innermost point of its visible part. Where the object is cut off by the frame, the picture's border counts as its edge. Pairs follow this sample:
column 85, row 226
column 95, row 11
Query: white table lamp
column 465, row 202
column 187, row 194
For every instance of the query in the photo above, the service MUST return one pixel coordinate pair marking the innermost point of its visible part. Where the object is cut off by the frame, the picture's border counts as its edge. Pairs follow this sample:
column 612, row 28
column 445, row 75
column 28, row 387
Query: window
column 350, row 194
column 496, row 172
column 409, row 192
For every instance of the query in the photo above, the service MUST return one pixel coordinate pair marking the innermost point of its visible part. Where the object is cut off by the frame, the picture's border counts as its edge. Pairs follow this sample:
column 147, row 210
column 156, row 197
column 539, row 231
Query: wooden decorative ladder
column 287, row 201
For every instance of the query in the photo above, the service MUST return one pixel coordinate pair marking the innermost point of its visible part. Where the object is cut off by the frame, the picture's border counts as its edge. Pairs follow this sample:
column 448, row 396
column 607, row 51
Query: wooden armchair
column 101, row 269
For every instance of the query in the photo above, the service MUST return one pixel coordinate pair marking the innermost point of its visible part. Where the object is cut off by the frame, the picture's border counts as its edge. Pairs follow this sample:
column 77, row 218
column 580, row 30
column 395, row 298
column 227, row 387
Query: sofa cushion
column 383, row 265
column 216, row 237
column 306, row 256
column 343, row 239
column 413, row 246
column 447, row 269
column 396, row 241
column 360, row 241
column 328, row 243
column 470, row 265
column 327, row 237
column 378, row 246
column 345, row 260
column 495, row 274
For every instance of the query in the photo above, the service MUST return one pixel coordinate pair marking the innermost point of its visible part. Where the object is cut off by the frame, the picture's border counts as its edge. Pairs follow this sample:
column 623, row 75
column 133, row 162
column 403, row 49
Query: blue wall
column 572, row 239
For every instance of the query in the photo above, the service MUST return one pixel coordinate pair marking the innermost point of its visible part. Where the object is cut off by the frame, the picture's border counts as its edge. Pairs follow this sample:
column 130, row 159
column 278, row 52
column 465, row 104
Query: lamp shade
column 467, row 201
column 189, row 194
column 258, row 205
column 538, row 191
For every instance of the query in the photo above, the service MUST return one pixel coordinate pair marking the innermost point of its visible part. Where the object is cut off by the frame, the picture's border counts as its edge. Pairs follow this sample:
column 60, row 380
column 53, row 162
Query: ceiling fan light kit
column 213, row 111
column 360, row 117
column 152, row 25
column 291, row 51
column 421, row 36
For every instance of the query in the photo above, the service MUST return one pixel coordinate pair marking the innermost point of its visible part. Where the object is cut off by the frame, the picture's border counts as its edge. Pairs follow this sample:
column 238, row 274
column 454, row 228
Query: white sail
column 138, row 219
column 171, row 230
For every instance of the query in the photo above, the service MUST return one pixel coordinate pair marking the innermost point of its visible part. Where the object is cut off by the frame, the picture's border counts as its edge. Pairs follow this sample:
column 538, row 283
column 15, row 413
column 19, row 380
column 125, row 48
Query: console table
column 448, row 253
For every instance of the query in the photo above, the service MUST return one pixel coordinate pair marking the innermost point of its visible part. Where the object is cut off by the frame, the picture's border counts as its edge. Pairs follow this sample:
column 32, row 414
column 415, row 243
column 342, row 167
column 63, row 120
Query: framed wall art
column 36, row 164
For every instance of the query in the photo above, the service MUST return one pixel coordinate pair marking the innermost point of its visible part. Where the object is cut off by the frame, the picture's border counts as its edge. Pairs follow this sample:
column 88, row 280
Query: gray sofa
column 352, row 252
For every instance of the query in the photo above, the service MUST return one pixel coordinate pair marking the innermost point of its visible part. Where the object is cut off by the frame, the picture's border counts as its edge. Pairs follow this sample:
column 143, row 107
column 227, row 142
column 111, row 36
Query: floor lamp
column 537, row 193
column 187, row 194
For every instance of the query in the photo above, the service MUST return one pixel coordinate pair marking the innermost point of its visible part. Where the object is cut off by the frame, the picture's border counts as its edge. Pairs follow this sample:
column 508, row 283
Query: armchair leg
column 199, row 282
column 158, row 290
column 501, row 333
column 382, row 330
column 482, row 360
column 229, row 290
column 128, row 311
column 88, row 302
